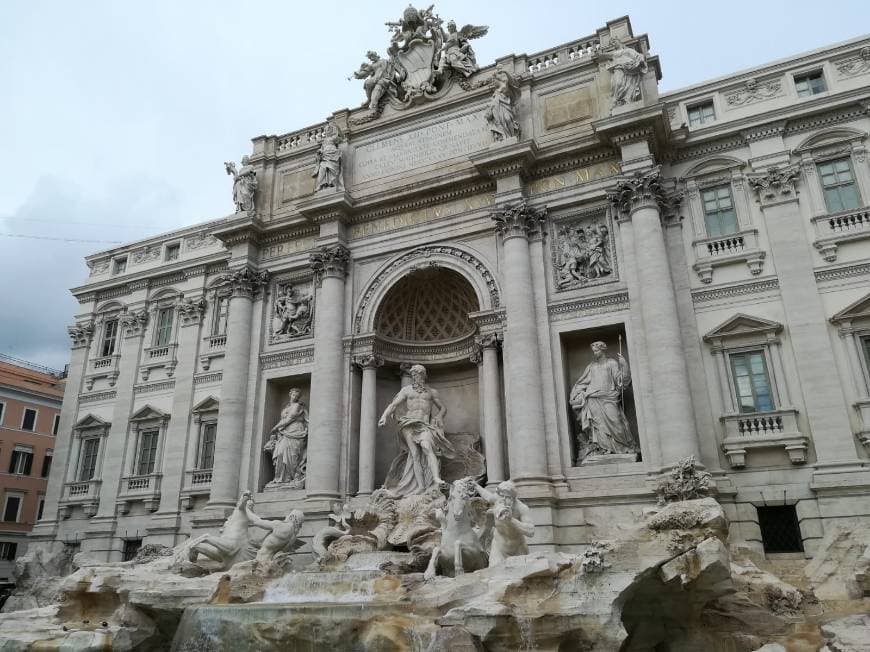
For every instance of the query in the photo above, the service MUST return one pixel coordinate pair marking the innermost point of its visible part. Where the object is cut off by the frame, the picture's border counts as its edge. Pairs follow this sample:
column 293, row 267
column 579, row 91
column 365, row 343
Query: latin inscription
column 286, row 248
column 420, row 215
column 574, row 177
column 415, row 149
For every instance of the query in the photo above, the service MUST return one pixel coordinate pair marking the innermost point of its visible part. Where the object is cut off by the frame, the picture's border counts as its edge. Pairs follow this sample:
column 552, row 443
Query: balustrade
column 775, row 429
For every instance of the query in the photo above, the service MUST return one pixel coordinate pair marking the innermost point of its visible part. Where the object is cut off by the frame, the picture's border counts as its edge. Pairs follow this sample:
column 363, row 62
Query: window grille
column 131, row 547
column 780, row 530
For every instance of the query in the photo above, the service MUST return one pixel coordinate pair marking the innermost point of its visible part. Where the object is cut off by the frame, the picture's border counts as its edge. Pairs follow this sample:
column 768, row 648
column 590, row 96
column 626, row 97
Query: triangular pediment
column 210, row 404
column 742, row 324
column 90, row 421
column 148, row 413
column 857, row 310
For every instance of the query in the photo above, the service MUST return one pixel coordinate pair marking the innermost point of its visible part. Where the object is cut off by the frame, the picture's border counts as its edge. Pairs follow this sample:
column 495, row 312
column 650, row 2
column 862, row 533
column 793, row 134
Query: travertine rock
column 839, row 570
column 36, row 576
column 850, row 634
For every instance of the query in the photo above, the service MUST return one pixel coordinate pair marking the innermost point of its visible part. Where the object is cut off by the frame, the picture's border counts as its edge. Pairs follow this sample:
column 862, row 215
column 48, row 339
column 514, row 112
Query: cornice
column 502, row 160
column 588, row 305
column 287, row 358
column 728, row 291
column 439, row 197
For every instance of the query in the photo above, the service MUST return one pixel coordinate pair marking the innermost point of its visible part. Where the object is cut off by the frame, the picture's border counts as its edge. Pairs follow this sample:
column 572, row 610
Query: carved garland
column 425, row 252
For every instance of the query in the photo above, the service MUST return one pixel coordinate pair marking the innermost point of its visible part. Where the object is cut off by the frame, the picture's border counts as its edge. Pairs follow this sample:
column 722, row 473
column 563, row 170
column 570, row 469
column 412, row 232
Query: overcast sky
column 116, row 117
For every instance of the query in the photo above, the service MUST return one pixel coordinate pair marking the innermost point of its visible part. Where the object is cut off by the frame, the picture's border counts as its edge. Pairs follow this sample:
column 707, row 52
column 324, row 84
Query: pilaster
column 368, row 425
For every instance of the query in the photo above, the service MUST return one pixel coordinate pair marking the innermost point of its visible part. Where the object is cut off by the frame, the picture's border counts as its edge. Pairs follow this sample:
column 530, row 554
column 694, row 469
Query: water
column 329, row 587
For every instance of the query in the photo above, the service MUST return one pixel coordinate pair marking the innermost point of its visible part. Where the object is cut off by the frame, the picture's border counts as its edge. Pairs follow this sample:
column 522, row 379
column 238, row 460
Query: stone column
column 325, row 413
column 826, row 408
column 81, row 338
column 527, row 445
column 245, row 283
column 493, row 426
column 638, row 198
column 368, row 421
column 178, row 431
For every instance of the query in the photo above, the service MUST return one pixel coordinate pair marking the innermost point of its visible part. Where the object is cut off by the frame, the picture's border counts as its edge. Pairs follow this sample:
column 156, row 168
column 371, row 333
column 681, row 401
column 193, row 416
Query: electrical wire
column 48, row 237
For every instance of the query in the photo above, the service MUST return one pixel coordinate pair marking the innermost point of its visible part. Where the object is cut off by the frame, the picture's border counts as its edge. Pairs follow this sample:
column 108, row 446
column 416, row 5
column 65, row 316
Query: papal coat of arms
column 422, row 61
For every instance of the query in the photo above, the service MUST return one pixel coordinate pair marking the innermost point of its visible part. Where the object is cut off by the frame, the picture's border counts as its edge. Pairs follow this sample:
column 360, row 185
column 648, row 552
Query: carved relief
column 753, row 91
column 145, row 255
column 292, row 311
column 80, row 334
column 134, row 322
column 857, row 65
column 99, row 267
column 191, row 311
column 201, row 239
column 583, row 253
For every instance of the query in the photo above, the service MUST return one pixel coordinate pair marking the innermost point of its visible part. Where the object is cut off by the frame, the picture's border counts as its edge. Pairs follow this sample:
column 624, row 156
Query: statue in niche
column 500, row 114
column 512, row 522
column 378, row 75
column 596, row 399
column 421, row 437
column 329, row 172
column 244, row 184
column 456, row 52
column 293, row 311
column 583, row 254
column 288, row 443
column 627, row 67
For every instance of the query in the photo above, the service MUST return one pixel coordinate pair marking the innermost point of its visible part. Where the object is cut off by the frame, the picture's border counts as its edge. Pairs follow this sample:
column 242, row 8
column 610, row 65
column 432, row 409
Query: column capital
column 134, row 322
column 775, row 185
column 519, row 220
column 643, row 189
column 490, row 340
column 191, row 311
column 81, row 334
column 330, row 261
column 368, row 361
column 245, row 281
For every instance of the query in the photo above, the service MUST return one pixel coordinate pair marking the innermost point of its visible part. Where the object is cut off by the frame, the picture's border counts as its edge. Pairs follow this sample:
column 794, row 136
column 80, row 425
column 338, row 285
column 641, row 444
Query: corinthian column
column 368, row 421
column 638, row 199
column 245, row 283
column 493, row 426
column 527, row 445
column 325, row 413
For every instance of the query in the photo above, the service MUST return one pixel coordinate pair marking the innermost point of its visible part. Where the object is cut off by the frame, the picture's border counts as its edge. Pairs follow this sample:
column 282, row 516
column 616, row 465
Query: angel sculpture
column 244, row 184
column 456, row 52
column 500, row 114
column 378, row 75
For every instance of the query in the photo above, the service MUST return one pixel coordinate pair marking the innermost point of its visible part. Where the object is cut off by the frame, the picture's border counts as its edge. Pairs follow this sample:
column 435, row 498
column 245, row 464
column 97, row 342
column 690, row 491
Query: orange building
column 30, row 400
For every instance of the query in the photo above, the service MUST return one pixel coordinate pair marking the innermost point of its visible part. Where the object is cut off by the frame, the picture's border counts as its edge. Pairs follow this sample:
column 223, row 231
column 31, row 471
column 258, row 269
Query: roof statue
column 423, row 59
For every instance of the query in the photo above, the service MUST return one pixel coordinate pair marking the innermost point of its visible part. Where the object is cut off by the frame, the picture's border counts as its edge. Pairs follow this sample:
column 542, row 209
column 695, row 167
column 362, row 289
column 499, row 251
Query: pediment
column 90, row 421
column 829, row 137
column 149, row 413
column 740, row 325
column 210, row 404
column 857, row 310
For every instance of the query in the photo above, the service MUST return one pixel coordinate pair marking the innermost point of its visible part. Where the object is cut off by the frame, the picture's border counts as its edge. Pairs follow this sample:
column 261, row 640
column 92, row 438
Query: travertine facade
column 492, row 224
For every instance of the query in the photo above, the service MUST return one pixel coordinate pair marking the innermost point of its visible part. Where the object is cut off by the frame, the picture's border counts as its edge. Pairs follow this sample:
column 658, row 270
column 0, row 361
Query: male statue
column 421, row 432
column 512, row 520
column 282, row 534
column 596, row 398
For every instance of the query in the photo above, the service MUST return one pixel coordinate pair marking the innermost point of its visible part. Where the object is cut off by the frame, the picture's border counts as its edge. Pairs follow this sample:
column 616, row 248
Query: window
column 172, row 251
column 147, row 452
column 8, row 550
column 55, row 424
column 701, row 114
column 838, row 184
column 110, row 338
column 46, row 463
column 2, row 411
column 28, row 422
column 21, row 461
column 206, row 445
column 131, row 547
column 88, row 459
column 780, row 530
column 12, row 508
column 219, row 321
column 811, row 83
column 119, row 265
column 751, row 382
column 719, row 215
column 163, row 332
column 40, row 509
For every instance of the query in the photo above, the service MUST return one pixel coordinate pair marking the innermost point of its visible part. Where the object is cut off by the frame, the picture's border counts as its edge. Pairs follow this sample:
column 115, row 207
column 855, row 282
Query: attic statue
column 329, row 172
column 244, row 184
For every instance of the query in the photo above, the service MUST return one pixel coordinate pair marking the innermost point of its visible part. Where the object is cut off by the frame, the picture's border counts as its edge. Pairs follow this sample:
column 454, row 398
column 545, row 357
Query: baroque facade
column 492, row 223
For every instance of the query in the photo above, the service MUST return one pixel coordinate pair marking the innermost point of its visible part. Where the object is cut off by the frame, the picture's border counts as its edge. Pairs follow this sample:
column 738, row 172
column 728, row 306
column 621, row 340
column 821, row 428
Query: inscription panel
column 287, row 248
column 565, row 108
column 421, row 215
column 296, row 184
column 574, row 177
column 425, row 146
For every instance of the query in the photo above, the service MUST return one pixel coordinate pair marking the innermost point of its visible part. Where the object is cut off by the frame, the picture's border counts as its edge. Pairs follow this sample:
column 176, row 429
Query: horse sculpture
column 461, row 548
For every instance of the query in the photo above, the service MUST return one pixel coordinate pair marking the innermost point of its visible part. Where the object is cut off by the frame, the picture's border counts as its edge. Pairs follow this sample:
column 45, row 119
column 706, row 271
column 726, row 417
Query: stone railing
column 837, row 228
column 81, row 492
column 775, row 429
column 142, row 483
column 217, row 341
column 156, row 357
column 198, row 477
column 574, row 51
column 301, row 138
column 157, row 352
column 103, row 363
column 725, row 250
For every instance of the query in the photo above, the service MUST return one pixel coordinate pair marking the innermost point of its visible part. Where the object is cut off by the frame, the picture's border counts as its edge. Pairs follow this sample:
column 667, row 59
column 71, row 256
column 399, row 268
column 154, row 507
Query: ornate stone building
column 491, row 224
